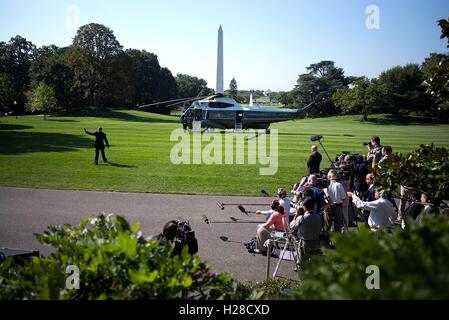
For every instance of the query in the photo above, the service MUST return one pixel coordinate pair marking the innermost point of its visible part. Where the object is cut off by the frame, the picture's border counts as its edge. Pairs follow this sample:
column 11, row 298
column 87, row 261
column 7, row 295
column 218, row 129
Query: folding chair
column 285, row 241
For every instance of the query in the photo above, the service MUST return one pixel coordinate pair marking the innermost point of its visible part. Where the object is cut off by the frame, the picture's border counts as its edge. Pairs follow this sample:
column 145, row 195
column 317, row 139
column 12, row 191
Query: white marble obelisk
column 251, row 103
column 219, row 88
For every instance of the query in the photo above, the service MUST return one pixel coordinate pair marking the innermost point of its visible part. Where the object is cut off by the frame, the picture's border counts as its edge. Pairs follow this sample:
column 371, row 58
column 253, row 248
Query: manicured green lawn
column 57, row 154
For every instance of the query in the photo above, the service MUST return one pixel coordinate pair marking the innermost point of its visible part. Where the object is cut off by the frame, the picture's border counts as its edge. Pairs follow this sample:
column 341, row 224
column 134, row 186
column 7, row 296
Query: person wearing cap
column 382, row 214
column 100, row 136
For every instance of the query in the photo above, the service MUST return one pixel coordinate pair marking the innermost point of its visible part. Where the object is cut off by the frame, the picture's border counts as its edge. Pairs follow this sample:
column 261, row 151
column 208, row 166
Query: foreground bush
column 114, row 262
column 413, row 264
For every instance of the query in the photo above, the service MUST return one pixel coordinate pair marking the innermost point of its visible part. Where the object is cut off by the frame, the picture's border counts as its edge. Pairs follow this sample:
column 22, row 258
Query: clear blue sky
column 267, row 43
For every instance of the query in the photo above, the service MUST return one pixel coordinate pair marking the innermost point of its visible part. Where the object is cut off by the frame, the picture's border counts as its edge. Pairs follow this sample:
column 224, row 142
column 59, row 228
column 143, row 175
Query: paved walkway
column 24, row 212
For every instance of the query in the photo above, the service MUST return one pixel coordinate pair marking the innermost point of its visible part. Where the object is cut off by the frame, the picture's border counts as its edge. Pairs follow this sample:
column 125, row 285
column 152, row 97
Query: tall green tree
column 364, row 98
column 189, row 86
column 51, row 67
column 145, row 75
column 42, row 99
column 437, row 77
column 405, row 84
column 93, row 49
column 168, row 88
column 233, row 92
column 15, row 61
column 318, row 85
column 286, row 98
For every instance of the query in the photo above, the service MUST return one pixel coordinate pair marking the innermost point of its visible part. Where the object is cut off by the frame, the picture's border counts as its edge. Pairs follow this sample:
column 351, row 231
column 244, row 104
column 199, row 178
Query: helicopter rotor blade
column 170, row 101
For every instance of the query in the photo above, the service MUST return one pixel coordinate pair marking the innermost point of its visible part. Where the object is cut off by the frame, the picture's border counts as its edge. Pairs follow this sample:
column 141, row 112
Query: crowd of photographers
column 325, row 200
column 340, row 196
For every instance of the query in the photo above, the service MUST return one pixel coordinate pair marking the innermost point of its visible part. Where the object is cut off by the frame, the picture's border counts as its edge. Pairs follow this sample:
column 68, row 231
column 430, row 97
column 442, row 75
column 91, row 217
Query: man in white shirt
column 382, row 214
column 337, row 194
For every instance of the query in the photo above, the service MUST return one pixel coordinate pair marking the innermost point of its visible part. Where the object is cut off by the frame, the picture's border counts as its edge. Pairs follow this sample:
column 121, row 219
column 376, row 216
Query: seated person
column 278, row 221
column 307, row 227
column 267, row 213
column 170, row 234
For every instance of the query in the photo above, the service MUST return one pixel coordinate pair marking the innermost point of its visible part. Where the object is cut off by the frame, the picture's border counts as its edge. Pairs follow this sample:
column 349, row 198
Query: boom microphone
column 315, row 138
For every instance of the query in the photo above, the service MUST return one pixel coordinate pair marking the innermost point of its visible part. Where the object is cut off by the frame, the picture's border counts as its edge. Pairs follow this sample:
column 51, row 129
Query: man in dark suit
column 314, row 161
column 369, row 195
column 100, row 136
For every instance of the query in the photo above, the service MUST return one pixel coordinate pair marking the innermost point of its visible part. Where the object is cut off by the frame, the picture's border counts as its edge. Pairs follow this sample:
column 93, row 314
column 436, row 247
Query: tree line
column 414, row 88
column 92, row 73
column 95, row 72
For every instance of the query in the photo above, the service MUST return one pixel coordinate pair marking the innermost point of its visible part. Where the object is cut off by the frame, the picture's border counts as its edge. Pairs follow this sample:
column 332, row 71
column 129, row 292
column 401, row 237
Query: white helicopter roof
column 234, row 105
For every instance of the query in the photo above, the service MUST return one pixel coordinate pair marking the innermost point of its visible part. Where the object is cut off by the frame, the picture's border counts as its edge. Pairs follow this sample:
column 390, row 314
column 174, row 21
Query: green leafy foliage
column 318, row 85
column 15, row 60
column 365, row 97
column 437, row 79
column 274, row 289
column 115, row 262
column 43, row 99
column 412, row 264
column 189, row 86
column 426, row 169
column 233, row 89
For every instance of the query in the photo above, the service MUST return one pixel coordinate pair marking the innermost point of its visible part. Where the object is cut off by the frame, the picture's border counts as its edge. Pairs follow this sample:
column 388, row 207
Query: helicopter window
column 219, row 105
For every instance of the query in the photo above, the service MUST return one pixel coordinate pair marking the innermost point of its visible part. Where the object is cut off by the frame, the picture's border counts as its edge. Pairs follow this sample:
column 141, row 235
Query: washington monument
column 219, row 88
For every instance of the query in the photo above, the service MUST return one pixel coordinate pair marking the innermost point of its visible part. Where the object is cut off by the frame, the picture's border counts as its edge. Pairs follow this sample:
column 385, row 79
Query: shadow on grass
column 134, row 118
column 16, row 142
column 112, row 164
column 62, row 120
column 401, row 120
column 8, row 127
column 308, row 134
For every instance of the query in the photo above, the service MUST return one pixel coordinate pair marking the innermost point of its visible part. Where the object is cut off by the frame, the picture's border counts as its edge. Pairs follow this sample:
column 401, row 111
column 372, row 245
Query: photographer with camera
column 179, row 234
column 374, row 151
column 298, row 189
column 307, row 228
column 317, row 193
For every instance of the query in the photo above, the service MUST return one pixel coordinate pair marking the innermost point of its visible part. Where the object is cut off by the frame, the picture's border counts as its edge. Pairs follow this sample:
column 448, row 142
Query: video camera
column 368, row 144
column 184, row 233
